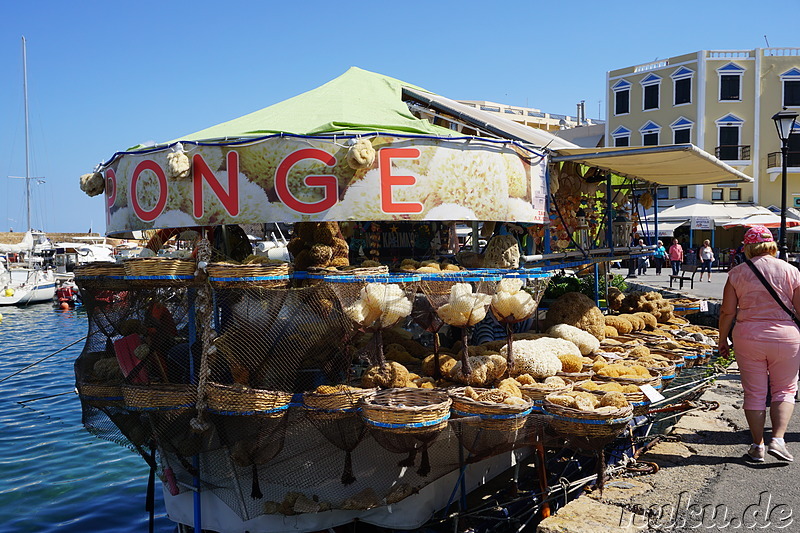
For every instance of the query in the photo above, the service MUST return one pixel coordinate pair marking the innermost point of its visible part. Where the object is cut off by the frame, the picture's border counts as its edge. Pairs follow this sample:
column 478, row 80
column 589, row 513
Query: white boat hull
column 29, row 287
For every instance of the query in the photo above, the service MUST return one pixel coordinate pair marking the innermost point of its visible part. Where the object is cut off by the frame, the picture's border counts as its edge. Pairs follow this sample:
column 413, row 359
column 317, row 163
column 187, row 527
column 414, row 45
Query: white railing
column 651, row 66
column 782, row 51
column 729, row 53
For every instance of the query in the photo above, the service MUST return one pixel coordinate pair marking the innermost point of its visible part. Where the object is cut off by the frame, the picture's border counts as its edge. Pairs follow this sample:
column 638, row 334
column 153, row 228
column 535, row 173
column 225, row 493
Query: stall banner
column 293, row 179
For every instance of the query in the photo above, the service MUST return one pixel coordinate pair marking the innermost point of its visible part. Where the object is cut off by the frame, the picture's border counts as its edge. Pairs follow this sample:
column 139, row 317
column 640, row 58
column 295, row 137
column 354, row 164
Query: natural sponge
column 585, row 341
column 502, row 251
column 577, row 309
column 619, row 323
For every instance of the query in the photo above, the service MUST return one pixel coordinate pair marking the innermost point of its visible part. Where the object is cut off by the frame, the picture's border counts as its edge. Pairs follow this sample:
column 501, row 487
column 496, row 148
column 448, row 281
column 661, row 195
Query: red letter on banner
column 328, row 182
column 161, row 202
column 388, row 181
column 111, row 187
column 229, row 199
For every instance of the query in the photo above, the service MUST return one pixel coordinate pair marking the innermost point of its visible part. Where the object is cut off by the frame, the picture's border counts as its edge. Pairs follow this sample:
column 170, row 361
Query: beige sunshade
column 679, row 164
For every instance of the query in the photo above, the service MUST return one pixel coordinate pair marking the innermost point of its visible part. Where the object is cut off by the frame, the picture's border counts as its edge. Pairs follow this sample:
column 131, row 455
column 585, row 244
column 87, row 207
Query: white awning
column 679, row 164
column 665, row 228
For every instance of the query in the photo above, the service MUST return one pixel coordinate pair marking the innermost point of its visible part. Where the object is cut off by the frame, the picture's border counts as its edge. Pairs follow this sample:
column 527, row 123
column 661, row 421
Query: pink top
column 759, row 316
column 676, row 252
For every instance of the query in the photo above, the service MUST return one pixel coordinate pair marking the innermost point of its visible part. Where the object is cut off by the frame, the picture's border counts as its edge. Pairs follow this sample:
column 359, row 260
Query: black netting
column 246, row 389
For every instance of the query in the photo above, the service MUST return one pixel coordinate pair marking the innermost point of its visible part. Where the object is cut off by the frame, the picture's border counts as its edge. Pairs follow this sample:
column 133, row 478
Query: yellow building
column 721, row 101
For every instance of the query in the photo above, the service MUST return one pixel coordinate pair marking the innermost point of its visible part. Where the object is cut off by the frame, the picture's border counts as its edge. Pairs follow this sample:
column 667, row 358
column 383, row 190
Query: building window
column 683, row 191
column 650, row 133
column 663, row 193
column 716, row 195
column 730, row 82
column 621, row 136
column 622, row 97
column 729, row 146
column 650, row 139
column 682, row 79
column 651, row 85
column 791, row 87
column 735, row 195
column 682, row 131
column 683, row 136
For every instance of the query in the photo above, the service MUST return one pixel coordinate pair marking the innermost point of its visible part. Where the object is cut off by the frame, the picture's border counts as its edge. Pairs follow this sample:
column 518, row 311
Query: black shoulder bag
column 771, row 290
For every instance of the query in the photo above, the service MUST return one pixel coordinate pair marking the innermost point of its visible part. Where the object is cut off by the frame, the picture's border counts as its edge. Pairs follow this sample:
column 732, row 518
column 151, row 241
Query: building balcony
column 774, row 160
column 734, row 154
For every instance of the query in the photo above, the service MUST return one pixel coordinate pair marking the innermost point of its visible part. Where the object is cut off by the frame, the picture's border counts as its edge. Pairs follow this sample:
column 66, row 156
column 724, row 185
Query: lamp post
column 784, row 122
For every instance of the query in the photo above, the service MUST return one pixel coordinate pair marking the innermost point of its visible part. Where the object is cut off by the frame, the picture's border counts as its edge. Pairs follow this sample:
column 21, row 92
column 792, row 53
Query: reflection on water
column 54, row 476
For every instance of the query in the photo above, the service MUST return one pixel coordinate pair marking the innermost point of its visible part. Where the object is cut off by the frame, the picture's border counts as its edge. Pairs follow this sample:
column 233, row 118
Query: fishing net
column 251, row 390
column 516, row 299
column 466, row 304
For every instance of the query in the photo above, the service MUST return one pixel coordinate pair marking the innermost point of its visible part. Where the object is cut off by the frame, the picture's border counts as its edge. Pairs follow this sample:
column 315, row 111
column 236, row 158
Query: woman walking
column 706, row 255
column 675, row 257
column 659, row 256
column 766, row 338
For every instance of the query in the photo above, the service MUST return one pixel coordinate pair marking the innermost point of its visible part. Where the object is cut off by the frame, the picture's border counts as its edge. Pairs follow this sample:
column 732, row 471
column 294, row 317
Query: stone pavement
column 703, row 482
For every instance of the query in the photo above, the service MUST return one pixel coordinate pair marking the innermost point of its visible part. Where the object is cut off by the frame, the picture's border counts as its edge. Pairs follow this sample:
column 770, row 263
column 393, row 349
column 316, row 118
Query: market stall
column 382, row 368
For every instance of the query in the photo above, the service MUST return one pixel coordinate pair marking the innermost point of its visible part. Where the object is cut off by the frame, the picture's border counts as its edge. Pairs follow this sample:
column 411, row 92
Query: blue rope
column 486, row 416
column 386, row 425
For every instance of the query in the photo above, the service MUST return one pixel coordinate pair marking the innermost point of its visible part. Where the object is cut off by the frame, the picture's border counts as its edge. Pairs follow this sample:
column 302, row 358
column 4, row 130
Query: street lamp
column 784, row 123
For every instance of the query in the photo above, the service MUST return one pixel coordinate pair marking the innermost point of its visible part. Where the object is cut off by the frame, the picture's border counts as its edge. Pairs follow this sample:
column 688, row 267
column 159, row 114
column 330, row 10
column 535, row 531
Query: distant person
column 642, row 270
column 659, row 256
column 766, row 339
column 675, row 257
column 706, row 256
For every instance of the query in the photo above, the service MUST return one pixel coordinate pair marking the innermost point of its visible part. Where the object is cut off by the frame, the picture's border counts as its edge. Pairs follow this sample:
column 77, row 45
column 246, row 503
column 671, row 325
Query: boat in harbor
column 24, row 280
column 24, row 277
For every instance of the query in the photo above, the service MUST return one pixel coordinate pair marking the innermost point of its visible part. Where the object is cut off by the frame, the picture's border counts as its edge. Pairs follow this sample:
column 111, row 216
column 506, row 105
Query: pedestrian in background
column 675, row 257
column 642, row 260
column 659, row 256
column 763, row 295
column 706, row 256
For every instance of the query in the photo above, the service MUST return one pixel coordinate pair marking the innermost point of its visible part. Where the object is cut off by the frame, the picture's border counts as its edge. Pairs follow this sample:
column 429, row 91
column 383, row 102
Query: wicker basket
column 240, row 400
column 159, row 397
column 654, row 381
column 491, row 415
column 146, row 272
column 569, row 422
column 575, row 376
column 228, row 275
column 537, row 395
column 100, row 268
column 638, row 401
column 101, row 276
column 99, row 395
column 406, row 410
column 335, row 404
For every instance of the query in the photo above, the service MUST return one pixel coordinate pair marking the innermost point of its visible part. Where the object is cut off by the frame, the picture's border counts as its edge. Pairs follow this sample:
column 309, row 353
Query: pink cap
column 758, row 234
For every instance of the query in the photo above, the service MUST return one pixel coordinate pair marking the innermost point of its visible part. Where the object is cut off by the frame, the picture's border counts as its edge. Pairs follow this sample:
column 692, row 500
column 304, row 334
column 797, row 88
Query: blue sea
column 55, row 476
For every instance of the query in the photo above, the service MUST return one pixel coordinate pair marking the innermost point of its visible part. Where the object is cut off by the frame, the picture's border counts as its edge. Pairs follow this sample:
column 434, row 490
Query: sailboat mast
column 27, row 136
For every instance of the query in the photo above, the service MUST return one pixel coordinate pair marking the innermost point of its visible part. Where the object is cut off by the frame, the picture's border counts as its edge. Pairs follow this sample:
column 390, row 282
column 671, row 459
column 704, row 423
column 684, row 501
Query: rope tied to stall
column 204, row 317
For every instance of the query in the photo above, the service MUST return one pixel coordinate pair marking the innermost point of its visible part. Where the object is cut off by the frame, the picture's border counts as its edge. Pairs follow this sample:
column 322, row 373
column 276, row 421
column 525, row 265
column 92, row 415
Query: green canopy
column 356, row 101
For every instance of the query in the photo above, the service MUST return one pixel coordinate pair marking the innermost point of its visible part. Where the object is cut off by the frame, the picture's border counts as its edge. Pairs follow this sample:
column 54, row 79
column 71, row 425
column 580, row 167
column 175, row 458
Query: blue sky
column 103, row 76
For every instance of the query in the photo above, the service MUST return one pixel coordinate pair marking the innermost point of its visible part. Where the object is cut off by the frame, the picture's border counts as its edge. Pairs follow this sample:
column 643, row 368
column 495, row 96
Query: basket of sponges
column 584, row 414
column 494, row 409
column 333, row 401
column 633, row 394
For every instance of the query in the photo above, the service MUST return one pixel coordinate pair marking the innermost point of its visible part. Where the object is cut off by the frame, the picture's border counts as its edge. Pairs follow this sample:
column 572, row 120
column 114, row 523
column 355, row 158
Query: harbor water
column 54, row 475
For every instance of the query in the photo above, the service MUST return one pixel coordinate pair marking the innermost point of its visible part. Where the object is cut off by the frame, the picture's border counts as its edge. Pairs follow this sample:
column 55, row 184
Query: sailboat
column 22, row 280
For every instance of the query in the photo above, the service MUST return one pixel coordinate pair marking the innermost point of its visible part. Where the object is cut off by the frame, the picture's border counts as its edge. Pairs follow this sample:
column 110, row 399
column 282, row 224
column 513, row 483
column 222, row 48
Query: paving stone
column 586, row 515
